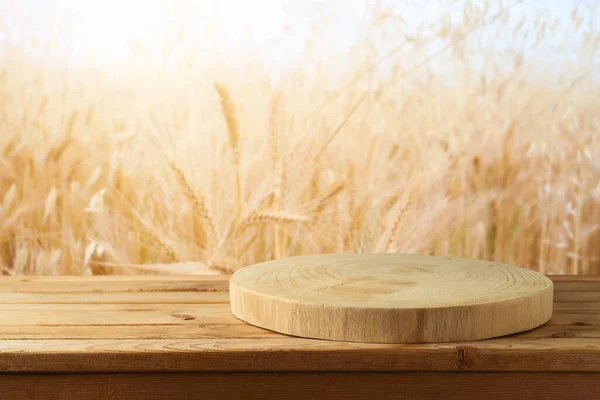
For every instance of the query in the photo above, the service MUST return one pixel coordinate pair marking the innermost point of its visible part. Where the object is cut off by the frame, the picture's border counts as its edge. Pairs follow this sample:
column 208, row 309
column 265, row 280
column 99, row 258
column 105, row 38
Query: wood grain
column 294, row 354
column 570, row 296
column 113, row 278
column 208, row 313
column 393, row 298
column 115, row 314
column 119, row 286
column 291, row 385
column 138, row 297
column 578, row 305
column 155, row 333
column 576, row 286
column 238, row 331
column 148, row 331
column 188, row 321
column 574, row 278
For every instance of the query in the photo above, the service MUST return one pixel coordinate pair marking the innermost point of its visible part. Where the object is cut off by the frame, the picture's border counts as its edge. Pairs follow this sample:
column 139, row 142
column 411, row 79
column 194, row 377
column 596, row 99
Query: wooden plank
column 130, row 321
column 558, row 306
column 149, row 314
column 585, row 286
column 189, row 297
column 190, row 329
column 575, row 317
column 117, row 298
column 577, row 305
column 574, row 278
column 559, row 331
column 291, row 385
column 145, row 331
column 128, row 314
column 197, row 330
column 150, row 331
column 570, row 296
column 294, row 354
column 116, row 278
column 92, row 307
column 116, row 283
column 70, row 286
column 170, row 285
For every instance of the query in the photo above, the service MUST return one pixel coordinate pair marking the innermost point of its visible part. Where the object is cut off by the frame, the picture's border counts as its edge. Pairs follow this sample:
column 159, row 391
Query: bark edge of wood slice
column 391, row 298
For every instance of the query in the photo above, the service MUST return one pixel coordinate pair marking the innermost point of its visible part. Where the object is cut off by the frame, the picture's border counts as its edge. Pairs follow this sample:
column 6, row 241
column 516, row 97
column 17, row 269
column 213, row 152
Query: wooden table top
column 184, row 324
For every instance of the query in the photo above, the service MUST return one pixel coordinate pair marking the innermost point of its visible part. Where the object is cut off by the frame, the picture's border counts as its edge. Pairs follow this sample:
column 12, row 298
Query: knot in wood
column 466, row 357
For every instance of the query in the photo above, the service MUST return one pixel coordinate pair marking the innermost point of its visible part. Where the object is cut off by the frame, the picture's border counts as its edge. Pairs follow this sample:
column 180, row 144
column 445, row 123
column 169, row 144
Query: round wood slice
column 390, row 298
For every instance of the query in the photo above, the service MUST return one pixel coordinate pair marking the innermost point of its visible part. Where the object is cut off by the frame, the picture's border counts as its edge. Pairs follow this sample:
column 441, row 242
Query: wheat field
column 206, row 168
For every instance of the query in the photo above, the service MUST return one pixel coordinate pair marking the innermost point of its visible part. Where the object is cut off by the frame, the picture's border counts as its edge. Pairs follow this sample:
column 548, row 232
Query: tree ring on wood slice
column 391, row 298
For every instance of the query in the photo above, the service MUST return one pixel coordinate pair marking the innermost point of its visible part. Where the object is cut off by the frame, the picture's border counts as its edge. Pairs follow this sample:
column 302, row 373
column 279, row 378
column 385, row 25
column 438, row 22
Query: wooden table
column 174, row 337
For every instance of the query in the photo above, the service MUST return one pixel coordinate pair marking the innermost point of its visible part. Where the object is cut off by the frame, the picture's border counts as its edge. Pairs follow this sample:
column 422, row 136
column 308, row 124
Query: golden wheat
column 382, row 154
column 200, row 207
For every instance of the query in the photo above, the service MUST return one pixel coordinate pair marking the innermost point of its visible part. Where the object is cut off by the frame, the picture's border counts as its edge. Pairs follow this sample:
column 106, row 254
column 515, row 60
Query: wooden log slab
column 391, row 298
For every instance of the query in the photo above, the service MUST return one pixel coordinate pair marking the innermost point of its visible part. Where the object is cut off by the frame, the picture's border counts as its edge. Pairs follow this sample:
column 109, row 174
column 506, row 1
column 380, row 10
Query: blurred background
column 201, row 137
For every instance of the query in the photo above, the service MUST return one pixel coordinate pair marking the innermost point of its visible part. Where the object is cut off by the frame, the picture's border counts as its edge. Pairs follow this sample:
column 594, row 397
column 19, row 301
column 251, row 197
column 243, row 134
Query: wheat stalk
column 277, row 168
column 228, row 110
column 391, row 234
column 166, row 249
column 356, row 222
column 334, row 191
column 197, row 200
column 260, row 218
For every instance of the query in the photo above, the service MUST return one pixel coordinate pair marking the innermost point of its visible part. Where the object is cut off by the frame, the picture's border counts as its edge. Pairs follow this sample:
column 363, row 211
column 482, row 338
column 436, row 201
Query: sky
column 102, row 32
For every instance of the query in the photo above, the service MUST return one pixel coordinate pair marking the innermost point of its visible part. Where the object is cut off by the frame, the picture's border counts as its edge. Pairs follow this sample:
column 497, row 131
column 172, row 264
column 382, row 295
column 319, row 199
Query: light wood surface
column 140, row 343
column 391, row 298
